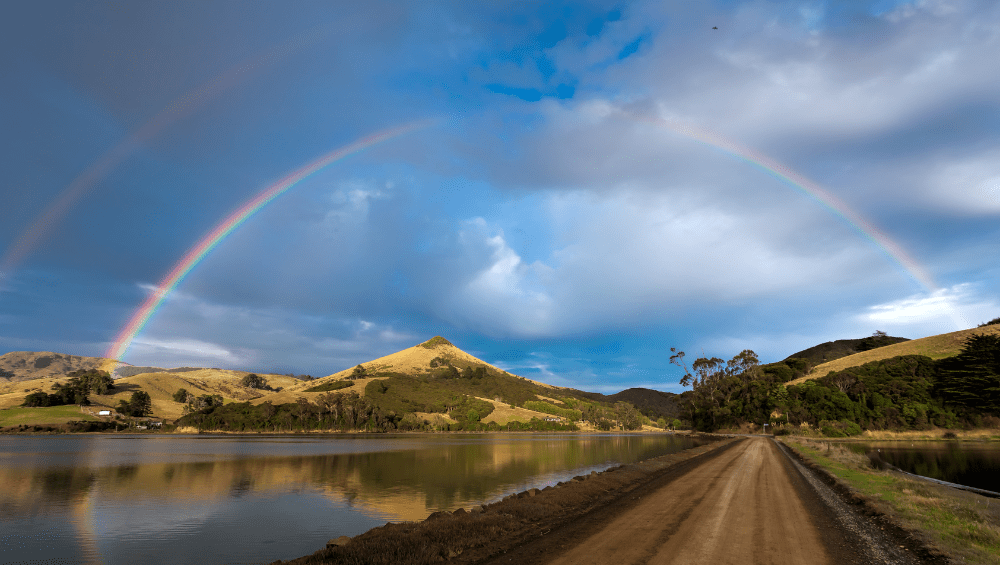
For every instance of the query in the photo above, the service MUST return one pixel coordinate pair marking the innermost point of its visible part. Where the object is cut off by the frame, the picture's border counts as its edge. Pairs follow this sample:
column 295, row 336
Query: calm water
column 974, row 464
column 240, row 499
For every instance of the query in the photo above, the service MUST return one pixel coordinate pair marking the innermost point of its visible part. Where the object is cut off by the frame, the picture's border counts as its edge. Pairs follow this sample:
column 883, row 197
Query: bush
column 183, row 396
column 36, row 399
column 255, row 381
column 830, row 431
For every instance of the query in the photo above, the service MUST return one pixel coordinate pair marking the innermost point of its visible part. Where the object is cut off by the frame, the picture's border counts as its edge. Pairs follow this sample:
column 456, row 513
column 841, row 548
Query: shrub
column 183, row 396
column 830, row 431
column 255, row 381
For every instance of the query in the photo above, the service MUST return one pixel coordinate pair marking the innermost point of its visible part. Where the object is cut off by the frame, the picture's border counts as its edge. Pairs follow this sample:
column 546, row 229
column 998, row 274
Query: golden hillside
column 412, row 361
column 935, row 347
column 29, row 365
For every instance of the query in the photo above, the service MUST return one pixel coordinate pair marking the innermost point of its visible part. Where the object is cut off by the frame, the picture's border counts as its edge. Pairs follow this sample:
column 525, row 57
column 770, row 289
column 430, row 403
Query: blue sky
column 546, row 222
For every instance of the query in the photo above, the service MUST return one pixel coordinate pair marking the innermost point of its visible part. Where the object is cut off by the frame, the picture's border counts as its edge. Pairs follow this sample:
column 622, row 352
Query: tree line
column 906, row 392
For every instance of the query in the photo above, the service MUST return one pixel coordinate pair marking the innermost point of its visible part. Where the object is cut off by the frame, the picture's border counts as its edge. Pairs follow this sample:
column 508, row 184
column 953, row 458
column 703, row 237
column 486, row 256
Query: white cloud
column 178, row 352
column 941, row 311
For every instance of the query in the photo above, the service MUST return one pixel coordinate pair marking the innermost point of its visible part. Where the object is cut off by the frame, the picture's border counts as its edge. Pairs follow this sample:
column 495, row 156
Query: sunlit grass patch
column 965, row 525
column 42, row 415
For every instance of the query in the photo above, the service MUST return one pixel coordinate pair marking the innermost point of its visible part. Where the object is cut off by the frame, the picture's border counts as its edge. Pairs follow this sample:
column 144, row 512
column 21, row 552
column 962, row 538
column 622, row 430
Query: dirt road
column 749, row 504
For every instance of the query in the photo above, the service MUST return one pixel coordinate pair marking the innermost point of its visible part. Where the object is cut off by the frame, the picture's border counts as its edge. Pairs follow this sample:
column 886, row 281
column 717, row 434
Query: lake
column 969, row 463
column 254, row 499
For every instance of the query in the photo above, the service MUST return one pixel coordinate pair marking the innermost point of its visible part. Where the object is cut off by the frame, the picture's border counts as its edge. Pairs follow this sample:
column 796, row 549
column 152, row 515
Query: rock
column 579, row 478
column 342, row 540
column 438, row 514
column 533, row 492
column 476, row 510
column 593, row 473
column 459, row 512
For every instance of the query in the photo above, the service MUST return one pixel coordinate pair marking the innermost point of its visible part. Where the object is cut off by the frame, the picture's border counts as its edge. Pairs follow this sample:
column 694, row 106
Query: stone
column 533, row 492
column 342, row 540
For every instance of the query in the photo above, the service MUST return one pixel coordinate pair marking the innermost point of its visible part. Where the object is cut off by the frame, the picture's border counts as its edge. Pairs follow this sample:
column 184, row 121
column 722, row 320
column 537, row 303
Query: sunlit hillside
column 416, row 359
column 935, row 347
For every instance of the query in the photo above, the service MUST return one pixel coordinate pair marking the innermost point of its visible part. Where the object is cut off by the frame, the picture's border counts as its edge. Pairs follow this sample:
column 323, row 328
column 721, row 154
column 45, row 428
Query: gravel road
column 750, row 503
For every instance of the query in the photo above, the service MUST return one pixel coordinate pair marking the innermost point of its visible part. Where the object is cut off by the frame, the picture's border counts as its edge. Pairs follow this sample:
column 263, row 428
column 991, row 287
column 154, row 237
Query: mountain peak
column 436, row 341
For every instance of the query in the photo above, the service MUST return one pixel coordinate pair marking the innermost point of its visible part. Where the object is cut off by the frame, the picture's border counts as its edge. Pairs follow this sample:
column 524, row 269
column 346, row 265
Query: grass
column 935, row 347
column 42, row 416
column 964, row 525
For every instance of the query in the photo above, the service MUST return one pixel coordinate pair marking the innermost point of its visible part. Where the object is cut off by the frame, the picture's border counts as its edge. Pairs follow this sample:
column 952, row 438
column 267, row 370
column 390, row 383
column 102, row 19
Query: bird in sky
column 715, row 27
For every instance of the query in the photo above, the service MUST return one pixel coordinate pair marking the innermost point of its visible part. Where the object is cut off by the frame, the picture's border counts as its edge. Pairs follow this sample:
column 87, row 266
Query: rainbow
column 180, row 107
column 811, row 189
column 141, row 316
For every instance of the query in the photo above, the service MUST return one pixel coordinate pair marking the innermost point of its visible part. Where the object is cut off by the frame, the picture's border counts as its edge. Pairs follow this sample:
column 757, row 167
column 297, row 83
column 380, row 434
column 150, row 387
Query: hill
column 935, row 347
column 653, row 404
column 833, row 350
column 433, row 381
column 18, row 366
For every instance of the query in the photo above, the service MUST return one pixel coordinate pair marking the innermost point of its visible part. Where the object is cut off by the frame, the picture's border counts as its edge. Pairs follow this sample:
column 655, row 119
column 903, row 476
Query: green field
column 959, row 523
column 48, row 415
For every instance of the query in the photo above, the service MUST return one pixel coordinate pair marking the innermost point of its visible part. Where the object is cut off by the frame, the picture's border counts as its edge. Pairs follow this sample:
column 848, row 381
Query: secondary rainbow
column 124, row 338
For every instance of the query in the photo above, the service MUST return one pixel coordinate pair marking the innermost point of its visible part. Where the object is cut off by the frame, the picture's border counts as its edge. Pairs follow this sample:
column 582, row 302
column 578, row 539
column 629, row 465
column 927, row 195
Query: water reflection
column 974, row 464
column 114, row 499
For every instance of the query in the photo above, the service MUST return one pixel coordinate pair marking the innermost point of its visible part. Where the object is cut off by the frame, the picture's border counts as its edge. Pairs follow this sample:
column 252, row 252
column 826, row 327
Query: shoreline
column 482, row 532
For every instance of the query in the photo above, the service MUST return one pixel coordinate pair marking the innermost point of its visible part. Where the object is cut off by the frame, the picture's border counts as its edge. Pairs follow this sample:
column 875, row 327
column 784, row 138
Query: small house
column 104, row 413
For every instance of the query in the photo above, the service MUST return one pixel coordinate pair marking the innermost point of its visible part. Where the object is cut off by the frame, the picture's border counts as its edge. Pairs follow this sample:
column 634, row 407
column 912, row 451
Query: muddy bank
column 471, row 535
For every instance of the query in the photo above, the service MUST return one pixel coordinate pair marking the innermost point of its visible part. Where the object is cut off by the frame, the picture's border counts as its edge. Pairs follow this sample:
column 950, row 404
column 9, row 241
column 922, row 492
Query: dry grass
column 934, row 434
column 503, row 414
column 935, row 347
column 417, row 359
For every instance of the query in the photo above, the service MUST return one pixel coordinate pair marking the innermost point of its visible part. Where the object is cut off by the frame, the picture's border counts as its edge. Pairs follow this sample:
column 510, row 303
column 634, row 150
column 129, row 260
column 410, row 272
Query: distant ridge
column 652, row 403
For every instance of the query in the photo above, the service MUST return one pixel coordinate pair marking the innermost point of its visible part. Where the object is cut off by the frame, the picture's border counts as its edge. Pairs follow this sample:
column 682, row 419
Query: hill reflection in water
column 233, row 498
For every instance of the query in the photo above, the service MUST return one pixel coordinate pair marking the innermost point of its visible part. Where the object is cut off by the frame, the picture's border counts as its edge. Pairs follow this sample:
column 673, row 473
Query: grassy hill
column 935, row 347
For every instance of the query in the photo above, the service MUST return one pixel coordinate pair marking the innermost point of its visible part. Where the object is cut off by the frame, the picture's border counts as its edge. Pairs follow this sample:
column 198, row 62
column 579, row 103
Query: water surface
column 970, row 463
column 254, row 499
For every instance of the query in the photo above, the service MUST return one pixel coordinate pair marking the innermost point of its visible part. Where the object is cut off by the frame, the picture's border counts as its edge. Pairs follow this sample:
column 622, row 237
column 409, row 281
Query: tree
column 473, row 415
column 183, row 396
column 36, row 399
column 139, row 405
column 359, row 372
column 972, row 378
column 254, row 381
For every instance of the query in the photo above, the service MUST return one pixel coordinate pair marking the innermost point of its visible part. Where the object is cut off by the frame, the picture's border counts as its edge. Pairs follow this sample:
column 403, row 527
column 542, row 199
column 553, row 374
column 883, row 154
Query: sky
column 565, row 190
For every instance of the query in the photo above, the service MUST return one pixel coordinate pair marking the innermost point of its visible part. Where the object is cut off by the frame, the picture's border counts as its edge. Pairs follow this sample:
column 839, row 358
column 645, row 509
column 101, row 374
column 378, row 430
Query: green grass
column 549, row 408
column 328, row 386
column 958, row 523
column 42, row 416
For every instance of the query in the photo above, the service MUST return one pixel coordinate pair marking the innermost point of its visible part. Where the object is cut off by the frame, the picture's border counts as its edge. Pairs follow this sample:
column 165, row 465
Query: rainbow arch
column 197, row 253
